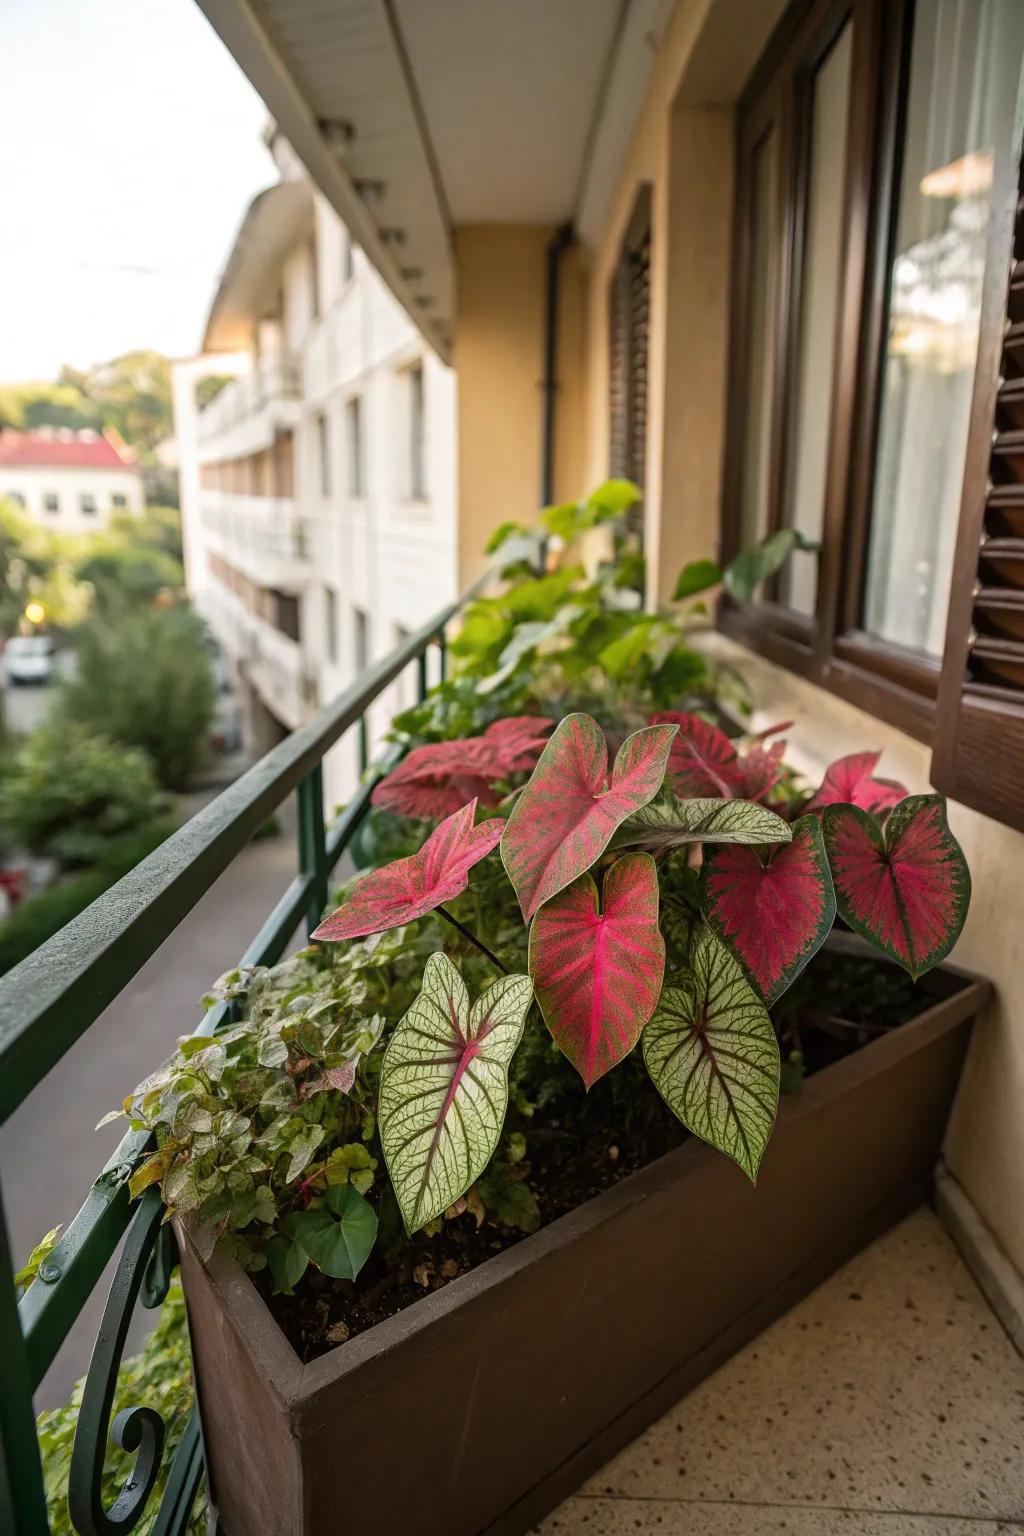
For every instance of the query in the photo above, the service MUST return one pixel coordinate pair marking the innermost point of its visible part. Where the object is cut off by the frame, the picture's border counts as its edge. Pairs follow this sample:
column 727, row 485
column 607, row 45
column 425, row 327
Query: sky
column 132, row 144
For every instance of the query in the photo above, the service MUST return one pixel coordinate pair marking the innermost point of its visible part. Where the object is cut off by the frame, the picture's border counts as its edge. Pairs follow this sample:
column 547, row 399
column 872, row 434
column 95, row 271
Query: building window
column 51, row 502
column 354, row 436
column 348, row 257
column 314, row 279
column 87, row 504
column 331, row 622
column 119, row 501
column 323, row 438
column 360, row 640
column 417, row 434
column 284, row 613
column 17, row 497
column 863, row 200
column 628, row 327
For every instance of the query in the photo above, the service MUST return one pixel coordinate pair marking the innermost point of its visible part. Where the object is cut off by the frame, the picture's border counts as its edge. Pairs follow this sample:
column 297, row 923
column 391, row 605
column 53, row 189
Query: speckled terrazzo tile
column 891, row 1387
column 627, row 1517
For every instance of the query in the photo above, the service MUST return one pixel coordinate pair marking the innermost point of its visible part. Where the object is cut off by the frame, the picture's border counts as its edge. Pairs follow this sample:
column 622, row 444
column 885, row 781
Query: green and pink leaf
column 410, row 888
column 444, row 1087
column 850, row 781
column 702, row 761
column 905, row 887
column 712, row 1055
column 598, row 966
column 772, row 907
column 565, row 817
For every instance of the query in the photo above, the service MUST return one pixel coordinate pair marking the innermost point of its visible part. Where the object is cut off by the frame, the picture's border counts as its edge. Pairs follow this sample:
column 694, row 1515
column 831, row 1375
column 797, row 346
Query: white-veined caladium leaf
column 712, row 1054
column 444, row 1087
column 668, row 822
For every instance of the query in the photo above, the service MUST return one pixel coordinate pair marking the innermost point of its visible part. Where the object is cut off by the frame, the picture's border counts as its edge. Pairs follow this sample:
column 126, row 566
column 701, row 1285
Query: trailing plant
column 601, row 925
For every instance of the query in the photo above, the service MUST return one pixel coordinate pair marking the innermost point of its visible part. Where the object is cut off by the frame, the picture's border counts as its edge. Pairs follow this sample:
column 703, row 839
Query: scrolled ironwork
column 137, row 1429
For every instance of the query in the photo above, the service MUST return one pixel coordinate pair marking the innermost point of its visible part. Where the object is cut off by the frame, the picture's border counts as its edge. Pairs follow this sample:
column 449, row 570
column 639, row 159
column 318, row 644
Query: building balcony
column 264, row 537
column 247, row 413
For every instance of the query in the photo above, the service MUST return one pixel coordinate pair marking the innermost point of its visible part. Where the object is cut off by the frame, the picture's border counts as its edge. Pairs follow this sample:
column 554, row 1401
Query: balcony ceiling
column 275, row 222
column 415, row 116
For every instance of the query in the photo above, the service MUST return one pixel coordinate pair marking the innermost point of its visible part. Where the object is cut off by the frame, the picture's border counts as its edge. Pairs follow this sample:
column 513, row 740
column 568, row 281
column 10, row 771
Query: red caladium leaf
column 849, row 781
column 703, row 759
column 907, row 887
column 760, row 770
column 772, row 907
column 598, row 973
column 520, row 739
column 410, row 888
column 565, row 816
column 435, row 780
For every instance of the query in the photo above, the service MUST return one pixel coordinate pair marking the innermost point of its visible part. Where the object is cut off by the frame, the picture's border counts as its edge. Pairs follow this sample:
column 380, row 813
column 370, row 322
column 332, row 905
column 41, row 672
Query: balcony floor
column 889, row 1403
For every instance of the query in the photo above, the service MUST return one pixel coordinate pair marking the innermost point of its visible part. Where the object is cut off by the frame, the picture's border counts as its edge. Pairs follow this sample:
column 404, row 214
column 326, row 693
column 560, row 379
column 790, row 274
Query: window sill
column 894, row 686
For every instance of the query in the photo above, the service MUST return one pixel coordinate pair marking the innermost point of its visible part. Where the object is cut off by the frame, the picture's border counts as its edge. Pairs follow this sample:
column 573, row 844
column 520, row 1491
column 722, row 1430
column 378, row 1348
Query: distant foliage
column 70, row 793
column 145, row 680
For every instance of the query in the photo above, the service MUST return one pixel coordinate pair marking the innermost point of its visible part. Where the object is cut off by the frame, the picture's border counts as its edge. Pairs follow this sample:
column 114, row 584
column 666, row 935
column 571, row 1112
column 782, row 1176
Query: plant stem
column 479, row 943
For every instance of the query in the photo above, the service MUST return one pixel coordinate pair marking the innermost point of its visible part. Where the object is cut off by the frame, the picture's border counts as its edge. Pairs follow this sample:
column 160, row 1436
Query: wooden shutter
column 979, row 739
column 629, row 329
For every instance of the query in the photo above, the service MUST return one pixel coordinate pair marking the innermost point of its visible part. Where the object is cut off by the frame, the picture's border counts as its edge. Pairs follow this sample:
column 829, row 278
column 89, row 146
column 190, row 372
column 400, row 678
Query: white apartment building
column 74, row 482
column 317, row 486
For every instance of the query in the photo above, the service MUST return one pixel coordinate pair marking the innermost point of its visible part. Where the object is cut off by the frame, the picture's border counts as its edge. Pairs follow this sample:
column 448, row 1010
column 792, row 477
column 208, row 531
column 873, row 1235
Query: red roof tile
column 71, row 451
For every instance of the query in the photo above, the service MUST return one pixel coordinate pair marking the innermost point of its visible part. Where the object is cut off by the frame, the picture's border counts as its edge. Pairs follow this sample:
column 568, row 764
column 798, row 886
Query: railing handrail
column 52, row 997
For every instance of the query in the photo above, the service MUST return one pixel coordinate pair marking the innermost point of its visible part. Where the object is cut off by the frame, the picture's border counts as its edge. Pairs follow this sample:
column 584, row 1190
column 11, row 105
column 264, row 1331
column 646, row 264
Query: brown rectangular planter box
column 485, row 1404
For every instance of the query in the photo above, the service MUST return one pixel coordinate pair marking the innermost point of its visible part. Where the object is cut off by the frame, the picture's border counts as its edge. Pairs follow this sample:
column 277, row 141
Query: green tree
column 37, row 564
column 145, row 680
column 70, row 793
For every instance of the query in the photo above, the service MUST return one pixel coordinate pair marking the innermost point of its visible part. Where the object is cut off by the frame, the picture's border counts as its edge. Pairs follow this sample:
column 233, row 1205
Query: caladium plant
column 675, row 838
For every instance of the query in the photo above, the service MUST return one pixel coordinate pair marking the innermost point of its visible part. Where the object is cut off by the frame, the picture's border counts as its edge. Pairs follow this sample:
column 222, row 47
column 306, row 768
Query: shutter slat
column 979, row 746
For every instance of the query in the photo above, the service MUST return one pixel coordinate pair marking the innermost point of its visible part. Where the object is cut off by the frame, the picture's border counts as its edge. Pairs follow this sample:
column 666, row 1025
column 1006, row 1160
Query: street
column 24, row 706
column 49, row 1149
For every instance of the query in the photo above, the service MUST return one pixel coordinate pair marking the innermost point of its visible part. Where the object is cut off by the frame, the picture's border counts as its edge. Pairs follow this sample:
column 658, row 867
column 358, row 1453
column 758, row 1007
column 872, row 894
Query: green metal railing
column 47, row 1003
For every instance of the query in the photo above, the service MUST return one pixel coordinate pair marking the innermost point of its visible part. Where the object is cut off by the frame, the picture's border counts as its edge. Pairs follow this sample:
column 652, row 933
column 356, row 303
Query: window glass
column 361, row 639
column 354, row 420
column 417, row 456
column 964, row 80
column 331, row 623
column 759, row 344
column 324, row 445
column 87, row 502
column 819, row 307
column 51, row 501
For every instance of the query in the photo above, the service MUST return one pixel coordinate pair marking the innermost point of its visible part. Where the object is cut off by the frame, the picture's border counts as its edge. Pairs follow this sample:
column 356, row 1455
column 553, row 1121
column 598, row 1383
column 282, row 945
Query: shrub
column 160, row 1377
column 145, row 681
column 39, row 917
column 68, row 792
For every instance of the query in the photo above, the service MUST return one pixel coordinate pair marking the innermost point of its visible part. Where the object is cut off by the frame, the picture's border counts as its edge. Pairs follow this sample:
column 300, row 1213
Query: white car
column 28, row 659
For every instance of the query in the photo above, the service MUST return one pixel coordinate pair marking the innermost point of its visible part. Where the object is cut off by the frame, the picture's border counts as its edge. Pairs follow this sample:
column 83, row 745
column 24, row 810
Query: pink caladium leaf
column 597, row 969
column 410, row 888
column 703, row 759
column 760, row 770
column 772, row 907
column 520, row 739
column 563, row 820
column 905, row 887
column 850, row 781
column 435, row 780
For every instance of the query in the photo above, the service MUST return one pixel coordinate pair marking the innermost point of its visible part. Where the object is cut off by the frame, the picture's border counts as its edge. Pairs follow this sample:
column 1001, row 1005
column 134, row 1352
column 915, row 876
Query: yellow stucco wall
column 682, row 148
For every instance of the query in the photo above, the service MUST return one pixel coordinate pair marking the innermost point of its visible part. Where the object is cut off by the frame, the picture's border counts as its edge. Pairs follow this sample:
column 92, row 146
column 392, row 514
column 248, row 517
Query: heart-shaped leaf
column 338, row 1236
column 434, row 780
column 444, row 1087
column 409, row 888
column 760, row 770
column 850, row 781
column 696, row 577
column 712, row 1055
column 518, row 740
column 703, row 759
column 565, row 817
column 772, row 907
column 906, row 888
column 598, row 972
column 670, row 823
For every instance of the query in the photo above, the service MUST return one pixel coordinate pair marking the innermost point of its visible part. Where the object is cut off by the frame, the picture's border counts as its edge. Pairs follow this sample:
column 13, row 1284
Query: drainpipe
column 559, row 242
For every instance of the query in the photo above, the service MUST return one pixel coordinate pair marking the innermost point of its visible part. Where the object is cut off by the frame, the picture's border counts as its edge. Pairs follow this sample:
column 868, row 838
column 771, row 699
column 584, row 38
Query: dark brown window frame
column 832, row 649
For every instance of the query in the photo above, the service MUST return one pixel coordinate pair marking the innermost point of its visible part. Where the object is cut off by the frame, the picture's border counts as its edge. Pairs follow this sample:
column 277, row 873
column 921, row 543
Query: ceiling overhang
column 414, row 118
column 276, row 221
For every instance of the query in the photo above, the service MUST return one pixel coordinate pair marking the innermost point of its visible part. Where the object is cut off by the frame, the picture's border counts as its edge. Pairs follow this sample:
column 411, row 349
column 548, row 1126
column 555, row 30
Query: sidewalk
column 889, row 1403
